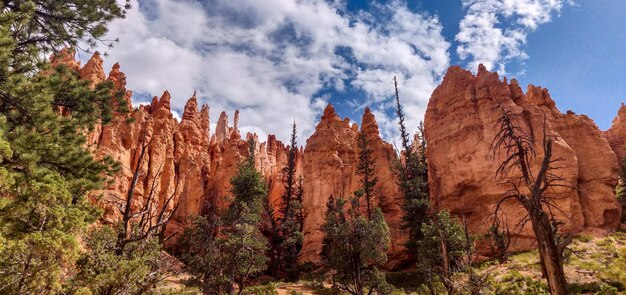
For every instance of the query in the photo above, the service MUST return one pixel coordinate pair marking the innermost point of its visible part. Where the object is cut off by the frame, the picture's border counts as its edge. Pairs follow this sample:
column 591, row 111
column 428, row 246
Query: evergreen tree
column 285, row 226
column 355, row 247
column 291, row 222
column 137, row 270
column 290, row 170
column 33, row 28
column 299, row 198
column 270, row 228
column 412, row 180
column 243, row 241
column 441, row 253
column 46, row 169
column 223, row 249
column 291, row 230
column 200, row 248
column 365, row 168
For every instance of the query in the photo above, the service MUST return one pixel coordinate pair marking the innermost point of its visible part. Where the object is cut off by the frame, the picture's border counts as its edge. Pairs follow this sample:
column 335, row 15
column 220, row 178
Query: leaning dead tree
column 152, row 218
column 532, row 190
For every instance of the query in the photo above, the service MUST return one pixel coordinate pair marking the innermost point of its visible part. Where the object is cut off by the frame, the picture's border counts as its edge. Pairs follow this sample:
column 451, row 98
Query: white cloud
column 493, row 32
column 270, row 58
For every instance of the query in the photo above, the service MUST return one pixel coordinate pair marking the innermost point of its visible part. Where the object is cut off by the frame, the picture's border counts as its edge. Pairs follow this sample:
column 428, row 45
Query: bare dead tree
column 532, row 191
column 151, row 219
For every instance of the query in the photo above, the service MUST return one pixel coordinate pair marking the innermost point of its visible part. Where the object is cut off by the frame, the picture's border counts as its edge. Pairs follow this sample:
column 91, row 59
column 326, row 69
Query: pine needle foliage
column 365, row 169
column 412, row 173
column 46, row 168
column 355, row 247
column 223, row 249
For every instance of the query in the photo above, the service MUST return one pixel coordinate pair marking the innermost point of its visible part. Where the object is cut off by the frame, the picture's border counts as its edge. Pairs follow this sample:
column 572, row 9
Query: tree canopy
column 46, row 167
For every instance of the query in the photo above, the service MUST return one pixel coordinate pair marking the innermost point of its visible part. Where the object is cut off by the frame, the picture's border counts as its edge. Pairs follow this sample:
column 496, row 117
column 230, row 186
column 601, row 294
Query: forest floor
column 593, row 265
column 298, row 288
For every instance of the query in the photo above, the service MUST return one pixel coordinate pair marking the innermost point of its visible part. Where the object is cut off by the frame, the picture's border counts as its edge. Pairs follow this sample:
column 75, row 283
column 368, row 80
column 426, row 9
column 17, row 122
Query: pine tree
column 200, row 248
column 291, row 209
column 442, row 252
column 137, row 270
column 533, row 189
column 365, row 168
column 40, row 27
column 46, row 169
column 285, row 226
column 243, row 242
column 290, row 170
column 413, row 180
column 355, row 247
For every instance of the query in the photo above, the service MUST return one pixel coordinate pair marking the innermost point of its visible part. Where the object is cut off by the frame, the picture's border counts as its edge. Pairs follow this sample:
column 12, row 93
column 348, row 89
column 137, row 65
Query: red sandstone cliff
column 460, row 126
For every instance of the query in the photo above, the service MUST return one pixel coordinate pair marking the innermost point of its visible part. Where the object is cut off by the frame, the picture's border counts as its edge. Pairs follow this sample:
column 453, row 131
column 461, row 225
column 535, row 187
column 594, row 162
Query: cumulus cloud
column 271, row 59
column 493, row 32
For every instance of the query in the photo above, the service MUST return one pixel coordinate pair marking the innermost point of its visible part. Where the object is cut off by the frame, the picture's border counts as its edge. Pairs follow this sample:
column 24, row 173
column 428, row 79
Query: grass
column 525, row 260
column 595, row 266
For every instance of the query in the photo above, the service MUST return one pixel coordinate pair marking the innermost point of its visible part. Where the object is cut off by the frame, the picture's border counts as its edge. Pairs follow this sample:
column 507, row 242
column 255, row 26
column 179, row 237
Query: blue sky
column 280, row 60
column 581, row 58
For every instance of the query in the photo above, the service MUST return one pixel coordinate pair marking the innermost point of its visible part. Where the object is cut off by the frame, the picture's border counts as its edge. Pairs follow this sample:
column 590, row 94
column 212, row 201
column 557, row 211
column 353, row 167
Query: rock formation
column 182, row 159
column 616, row 135
column 186, row 160
column 460, row 126
column 329, row 168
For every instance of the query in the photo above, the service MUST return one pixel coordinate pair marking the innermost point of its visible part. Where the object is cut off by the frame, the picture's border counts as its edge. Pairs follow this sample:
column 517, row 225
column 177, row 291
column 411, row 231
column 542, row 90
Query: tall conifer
column 412, row 174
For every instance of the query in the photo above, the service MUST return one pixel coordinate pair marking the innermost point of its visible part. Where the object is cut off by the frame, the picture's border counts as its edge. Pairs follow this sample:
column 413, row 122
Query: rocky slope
column 194, row 164
column 460, row 126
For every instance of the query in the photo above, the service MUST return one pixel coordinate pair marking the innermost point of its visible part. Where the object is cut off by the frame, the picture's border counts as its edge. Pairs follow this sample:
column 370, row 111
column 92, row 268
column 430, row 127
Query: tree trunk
column 549, row 253
column 126, row 214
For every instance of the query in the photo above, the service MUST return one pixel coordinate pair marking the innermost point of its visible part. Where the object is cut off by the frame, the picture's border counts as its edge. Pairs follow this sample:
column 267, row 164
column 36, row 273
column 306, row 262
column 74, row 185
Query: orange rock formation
column 182, row 159
column 329, row 168
column 460, row 126
column 616, row 135
column 187, row 160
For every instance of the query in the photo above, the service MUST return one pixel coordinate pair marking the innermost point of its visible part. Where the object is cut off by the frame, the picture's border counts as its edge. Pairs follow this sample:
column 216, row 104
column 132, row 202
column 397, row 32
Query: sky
column 283, row 60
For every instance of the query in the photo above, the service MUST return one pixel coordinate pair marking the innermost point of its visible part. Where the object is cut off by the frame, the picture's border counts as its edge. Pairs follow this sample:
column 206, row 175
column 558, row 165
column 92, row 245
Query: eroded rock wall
column 330, row 160
column 461, row 124
column 195, row 164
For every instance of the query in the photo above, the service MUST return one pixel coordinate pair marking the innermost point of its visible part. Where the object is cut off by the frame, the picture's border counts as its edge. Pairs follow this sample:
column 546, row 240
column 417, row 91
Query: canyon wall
column 461, row 124
column 194, row 164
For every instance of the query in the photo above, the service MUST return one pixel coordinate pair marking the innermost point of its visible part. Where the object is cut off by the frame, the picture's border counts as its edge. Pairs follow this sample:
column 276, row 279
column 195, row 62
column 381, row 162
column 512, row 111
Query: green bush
column 515, row 283
column 269, row 289
column 582, row 288
column 584, row 238
column 138, row 270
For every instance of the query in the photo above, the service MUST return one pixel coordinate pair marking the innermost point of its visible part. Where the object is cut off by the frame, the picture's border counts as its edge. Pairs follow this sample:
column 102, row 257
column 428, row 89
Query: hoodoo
column 186, row 160
column 460, row 127
column 329, row 168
